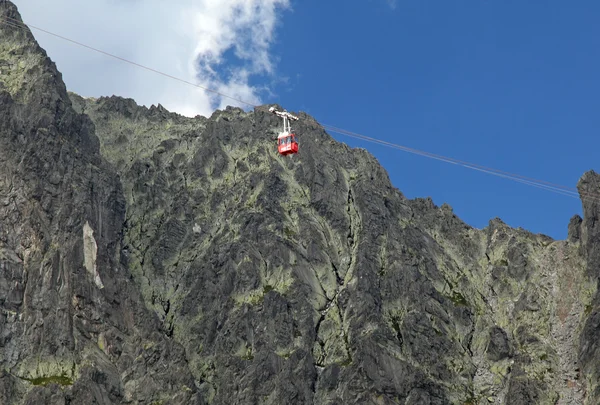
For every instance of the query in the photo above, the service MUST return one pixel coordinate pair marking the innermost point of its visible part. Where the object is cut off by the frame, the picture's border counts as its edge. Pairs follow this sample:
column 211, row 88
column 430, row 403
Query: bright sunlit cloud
column 224, row 45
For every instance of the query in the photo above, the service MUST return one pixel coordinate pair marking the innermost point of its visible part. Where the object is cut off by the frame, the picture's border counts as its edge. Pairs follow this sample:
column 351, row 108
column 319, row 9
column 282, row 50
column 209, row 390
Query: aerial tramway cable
column 545, row 185
column 564, row 190
column 13, row 21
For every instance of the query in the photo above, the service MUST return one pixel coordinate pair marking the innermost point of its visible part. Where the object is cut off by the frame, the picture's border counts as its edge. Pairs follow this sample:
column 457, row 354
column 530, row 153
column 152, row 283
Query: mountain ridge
column 187, row 262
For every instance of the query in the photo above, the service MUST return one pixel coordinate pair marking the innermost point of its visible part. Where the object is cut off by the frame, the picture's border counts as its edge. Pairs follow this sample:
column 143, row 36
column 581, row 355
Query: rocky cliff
column 73, row 325
column 151, row 258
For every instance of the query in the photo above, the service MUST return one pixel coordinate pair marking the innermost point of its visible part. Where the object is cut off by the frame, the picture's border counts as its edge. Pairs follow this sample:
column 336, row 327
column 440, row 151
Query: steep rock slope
column 588, row 230
column 311, row 279
column 73, row 328
column 307, row 279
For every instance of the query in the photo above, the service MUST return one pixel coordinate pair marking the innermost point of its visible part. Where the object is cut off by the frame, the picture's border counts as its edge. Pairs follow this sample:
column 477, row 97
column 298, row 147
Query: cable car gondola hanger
column 286, row 141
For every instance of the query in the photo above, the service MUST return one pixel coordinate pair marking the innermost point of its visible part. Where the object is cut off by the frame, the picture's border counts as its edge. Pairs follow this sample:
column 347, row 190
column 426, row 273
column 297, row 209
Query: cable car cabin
column 287, row 144
column 286, row 141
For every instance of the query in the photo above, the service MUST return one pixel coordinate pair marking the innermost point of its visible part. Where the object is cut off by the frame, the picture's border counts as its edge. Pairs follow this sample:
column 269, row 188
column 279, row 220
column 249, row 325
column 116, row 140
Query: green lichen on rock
column 54, row 379
column 458, row 299
column 19, row 61
column 51, row 371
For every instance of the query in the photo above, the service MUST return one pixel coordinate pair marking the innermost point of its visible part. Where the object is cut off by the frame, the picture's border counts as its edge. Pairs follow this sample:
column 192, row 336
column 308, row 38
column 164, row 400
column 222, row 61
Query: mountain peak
column 24, row 64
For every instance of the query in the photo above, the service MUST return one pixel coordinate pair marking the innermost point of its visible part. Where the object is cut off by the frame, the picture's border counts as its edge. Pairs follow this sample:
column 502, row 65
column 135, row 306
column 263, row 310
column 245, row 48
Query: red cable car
column 286, row 141
column 287, row 144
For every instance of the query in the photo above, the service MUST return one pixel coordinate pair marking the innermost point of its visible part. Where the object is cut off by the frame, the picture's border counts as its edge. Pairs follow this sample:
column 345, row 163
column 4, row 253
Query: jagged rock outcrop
column 318, row 282
column 153, row 257
column 73, row 326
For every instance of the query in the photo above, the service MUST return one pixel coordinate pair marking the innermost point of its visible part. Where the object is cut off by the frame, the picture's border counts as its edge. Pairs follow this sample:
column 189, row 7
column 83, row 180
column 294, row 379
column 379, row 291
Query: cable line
column 525, row 180
column 557, row 188
column 126, row 60
column 443, row 158
column 545, row 185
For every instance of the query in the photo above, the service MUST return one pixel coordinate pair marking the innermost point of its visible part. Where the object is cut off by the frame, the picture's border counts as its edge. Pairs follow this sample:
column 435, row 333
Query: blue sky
column 508, row 84
column 512, row 85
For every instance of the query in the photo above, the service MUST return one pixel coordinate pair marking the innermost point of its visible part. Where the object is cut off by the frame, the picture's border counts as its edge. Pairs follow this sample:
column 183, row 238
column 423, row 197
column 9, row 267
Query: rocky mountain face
column 73, row 325
column 150, row 258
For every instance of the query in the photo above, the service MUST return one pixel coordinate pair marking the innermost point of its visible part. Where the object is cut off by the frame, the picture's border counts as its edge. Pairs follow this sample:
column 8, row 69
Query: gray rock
column 74, row 328
column 151, row 258
column 498, row 347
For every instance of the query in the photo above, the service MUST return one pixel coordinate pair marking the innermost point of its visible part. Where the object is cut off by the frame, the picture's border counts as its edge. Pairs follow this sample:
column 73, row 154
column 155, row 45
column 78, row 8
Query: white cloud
column 188, row 39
